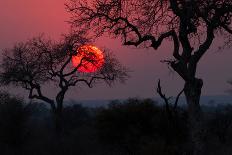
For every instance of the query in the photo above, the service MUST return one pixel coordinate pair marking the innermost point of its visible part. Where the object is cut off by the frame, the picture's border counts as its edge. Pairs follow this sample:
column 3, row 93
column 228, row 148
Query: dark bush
column 75, row 116
column 12, row 123
column 137, row 126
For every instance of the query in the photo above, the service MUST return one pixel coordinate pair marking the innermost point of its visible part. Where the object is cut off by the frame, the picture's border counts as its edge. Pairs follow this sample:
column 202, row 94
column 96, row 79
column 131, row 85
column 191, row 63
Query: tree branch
column 205, row 46
column 177, row 99
column 75, row 69
column 40, row 96
column 163, row 96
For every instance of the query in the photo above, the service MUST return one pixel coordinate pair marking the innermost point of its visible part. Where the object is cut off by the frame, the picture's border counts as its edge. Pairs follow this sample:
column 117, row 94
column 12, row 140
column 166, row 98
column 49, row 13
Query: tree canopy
column 39, row 61
column 190, row 24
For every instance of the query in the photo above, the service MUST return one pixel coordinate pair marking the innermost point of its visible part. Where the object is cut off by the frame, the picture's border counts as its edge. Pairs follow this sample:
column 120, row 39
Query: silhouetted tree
column 39, row 62
column 190, row 24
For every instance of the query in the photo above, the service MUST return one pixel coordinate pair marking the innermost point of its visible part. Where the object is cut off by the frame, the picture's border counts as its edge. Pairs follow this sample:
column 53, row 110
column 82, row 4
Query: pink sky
column 22, row 19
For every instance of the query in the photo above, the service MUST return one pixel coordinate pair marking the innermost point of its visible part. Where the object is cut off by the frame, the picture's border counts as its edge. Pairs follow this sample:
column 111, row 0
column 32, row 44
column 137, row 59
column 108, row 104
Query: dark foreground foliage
column 131, row 127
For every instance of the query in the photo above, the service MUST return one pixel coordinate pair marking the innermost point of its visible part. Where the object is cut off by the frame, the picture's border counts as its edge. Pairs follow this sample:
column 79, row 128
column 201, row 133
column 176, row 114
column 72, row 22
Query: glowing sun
column 88, row 59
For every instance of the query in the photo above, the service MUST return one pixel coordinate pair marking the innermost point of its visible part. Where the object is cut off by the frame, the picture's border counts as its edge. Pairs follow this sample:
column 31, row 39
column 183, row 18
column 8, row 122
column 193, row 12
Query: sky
column 23, row 19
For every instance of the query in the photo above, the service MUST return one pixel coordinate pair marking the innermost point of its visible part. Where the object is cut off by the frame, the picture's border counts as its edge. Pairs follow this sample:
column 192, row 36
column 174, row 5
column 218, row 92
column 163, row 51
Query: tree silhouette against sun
column 89, row 52
column 66, row 63
column 191, row 25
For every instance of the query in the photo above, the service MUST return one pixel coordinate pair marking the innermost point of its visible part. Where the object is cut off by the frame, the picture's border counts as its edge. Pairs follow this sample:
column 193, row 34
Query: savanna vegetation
column 133, row 126
column 129, row 127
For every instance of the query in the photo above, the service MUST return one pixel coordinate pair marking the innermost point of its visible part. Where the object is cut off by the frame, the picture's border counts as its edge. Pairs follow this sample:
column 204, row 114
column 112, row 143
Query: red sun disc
column 88, row 59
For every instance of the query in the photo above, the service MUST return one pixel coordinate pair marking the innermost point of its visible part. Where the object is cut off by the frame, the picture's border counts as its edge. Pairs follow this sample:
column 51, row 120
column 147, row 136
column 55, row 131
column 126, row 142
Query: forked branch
column 168, row 105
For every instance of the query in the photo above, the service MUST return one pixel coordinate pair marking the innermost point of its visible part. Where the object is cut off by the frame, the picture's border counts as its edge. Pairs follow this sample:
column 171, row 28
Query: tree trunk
column 192, row 90
column 59, row 111
column 57, row 117
column 58, row 122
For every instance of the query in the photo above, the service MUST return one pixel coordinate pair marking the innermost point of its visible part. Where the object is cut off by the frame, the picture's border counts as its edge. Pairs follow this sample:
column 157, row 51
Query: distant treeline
column 130, row 127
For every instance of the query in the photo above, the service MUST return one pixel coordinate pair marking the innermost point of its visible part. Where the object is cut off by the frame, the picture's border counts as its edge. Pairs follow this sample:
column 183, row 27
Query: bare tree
column 39, row 61
column 170, row 108
column 190, row 24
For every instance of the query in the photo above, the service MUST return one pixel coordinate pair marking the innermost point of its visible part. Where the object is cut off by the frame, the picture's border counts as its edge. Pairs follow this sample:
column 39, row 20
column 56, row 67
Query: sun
column 88, row 59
